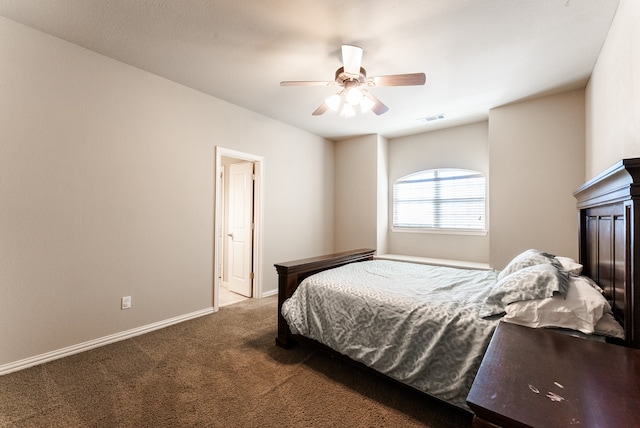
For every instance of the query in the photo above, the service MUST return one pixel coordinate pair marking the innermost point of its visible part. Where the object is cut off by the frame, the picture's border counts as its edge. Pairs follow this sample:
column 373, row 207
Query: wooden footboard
column 291, row 274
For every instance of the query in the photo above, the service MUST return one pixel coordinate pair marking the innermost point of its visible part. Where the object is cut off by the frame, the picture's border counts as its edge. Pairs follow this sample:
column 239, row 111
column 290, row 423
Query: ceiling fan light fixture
column 354, row 96
column 366, row 104
column 352, row 78
column 348, row 110
column 333, row 102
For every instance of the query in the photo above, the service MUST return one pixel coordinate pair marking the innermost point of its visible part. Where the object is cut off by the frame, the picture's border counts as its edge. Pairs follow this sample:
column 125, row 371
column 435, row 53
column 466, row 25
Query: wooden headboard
column 609, row 251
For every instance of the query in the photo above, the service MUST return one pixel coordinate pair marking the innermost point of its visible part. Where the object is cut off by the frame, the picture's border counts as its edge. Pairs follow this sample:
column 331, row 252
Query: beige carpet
column 222, row 370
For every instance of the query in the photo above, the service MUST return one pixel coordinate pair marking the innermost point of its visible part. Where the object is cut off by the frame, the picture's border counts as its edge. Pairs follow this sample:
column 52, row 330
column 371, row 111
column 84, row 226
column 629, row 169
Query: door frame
column 218, row 238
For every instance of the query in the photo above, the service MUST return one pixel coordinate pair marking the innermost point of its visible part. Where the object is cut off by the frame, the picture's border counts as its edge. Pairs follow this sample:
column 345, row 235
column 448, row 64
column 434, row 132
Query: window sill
column 470, row 232
column 433, row 261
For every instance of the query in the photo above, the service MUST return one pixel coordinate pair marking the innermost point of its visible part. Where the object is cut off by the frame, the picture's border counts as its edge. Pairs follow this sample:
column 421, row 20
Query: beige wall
column 537, row 160
column 460, row 147
column 356, row 194
column 361, row 197
column 383, row 196
column 613, row 94
column 107, row 190
column 533, row 155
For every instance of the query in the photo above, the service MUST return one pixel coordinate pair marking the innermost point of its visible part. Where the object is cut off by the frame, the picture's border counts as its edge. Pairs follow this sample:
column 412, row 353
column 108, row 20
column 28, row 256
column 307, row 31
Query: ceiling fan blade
column 351, row 59
column 378, row 106
column 412, row 79
column 320, row 110
column 304, row 83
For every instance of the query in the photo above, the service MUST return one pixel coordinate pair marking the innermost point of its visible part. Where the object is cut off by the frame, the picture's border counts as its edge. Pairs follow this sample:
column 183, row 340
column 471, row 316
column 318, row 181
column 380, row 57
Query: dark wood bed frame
column 609, row 222
column 291, row 274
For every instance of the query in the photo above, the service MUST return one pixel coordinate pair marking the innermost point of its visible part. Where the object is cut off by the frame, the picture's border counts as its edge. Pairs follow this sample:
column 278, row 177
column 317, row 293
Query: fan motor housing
column 342, row 77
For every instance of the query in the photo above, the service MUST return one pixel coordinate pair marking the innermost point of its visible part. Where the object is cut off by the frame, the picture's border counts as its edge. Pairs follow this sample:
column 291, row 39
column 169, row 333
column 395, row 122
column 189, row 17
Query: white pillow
column 570, row 265
column 608, row 326
column 580, row 310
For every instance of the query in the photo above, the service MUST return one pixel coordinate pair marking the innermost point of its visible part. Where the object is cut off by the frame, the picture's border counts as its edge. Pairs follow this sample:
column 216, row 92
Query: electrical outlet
column 126, row 302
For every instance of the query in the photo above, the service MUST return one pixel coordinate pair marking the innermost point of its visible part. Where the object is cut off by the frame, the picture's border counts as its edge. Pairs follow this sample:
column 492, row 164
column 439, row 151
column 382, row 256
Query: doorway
column 238, row 219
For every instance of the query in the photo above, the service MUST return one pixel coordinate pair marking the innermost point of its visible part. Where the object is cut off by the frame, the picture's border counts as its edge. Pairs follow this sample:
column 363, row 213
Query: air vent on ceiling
column 432, row 118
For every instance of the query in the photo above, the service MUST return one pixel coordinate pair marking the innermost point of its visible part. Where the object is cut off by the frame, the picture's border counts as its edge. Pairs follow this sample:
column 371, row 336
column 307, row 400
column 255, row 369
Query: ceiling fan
column 352, row 78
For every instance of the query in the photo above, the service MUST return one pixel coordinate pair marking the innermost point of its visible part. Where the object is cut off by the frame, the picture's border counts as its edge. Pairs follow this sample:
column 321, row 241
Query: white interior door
column 240, row 228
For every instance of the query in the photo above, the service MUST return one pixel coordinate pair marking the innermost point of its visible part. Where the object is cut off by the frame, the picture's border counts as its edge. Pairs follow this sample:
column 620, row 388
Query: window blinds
column 440, row 198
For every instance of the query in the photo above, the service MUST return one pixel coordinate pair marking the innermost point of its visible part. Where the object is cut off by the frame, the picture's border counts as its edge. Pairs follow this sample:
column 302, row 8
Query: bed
column 460, row 323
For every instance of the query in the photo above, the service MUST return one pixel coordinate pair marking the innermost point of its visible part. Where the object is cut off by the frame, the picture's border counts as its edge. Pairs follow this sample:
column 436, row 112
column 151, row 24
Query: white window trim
column 440, row 231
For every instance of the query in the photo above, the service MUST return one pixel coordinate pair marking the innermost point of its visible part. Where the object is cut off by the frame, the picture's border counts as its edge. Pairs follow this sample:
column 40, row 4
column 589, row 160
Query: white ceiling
column 477, row 54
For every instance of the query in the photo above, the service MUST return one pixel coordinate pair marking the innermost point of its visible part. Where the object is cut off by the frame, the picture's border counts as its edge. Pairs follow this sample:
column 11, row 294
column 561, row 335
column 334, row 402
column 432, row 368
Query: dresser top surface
column 541, row 378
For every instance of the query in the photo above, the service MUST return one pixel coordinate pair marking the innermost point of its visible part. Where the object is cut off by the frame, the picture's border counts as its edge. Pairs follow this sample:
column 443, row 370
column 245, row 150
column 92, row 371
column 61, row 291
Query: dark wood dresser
column 541, row 378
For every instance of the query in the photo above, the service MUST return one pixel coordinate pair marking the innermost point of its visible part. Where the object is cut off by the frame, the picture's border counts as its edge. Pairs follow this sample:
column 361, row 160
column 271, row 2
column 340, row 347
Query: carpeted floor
column 222, row 370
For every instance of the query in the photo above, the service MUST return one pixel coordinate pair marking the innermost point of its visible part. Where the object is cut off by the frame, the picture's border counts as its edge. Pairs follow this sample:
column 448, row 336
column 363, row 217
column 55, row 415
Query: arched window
column 440, row 199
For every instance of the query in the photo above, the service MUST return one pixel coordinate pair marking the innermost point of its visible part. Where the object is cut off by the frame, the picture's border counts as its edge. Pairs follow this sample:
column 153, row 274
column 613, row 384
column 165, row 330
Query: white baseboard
column 270, row 293
column 85, row 346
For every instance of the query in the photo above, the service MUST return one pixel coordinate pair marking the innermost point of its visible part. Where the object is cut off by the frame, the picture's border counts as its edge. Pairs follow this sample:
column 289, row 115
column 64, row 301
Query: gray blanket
column 418, row 324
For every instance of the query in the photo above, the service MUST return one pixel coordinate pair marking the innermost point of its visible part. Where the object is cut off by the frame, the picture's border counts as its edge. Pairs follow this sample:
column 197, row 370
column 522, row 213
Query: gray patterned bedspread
column 418, row 324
